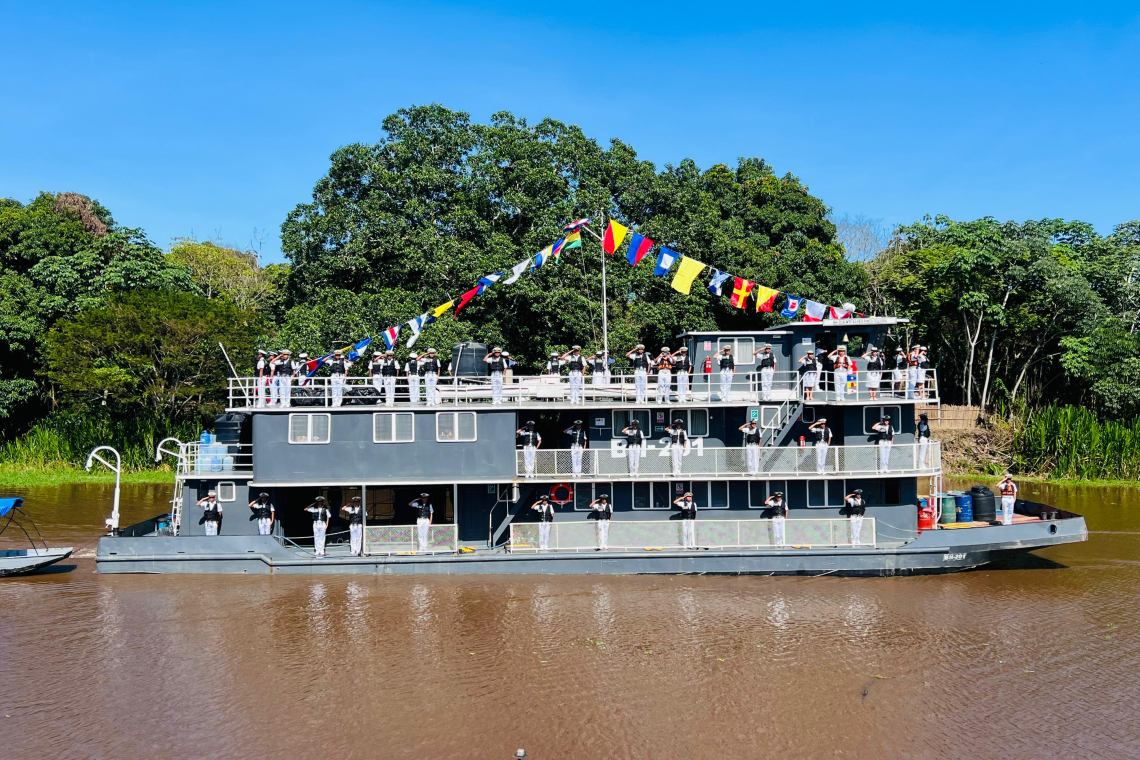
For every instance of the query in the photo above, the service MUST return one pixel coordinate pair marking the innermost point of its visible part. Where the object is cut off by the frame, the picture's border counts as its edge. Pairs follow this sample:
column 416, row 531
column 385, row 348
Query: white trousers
column 575, row 387
column 752, row 453
column 603, row 527
column 1007, row 503
column 275, row 390
column 912, row 375
column 779, row 530
column 821, row 457
column 664, row 380
column 766, row 376
column 284, row 390
column 530, row 453
column 874, row 380
column 856, row 529
column 263, row 525
column 260, row 391
column 414, row 389
column 725, row 384
column 682, row 386
column 598, row 378
column 639, row 380
column 431, row 379
column 378, row 384
column 885, row 455
column 496, row 387
column 840, row 383
column 356, row 537
column 337, row 389
column 423, row 528
column 923, row 452
column 634, row 455
column 544, row 535
column 211, row 527
column 689, row 533
column 576, row 458
column 389, row 390
column 677, row 452
column 319, row 530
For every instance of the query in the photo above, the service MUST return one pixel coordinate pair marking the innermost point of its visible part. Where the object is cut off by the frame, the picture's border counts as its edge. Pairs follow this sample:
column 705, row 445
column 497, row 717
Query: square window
column 825, row 493
column 310, row 428
column 808, row 415
column 393, row 427
column 455, row 427
column 770, row 417
column 622, row 418
column 742, row 349
column 718, row 494
column 227, row 492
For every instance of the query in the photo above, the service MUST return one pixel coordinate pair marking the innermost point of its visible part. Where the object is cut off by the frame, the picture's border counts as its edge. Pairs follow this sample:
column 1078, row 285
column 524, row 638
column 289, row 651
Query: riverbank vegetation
column 104, row 337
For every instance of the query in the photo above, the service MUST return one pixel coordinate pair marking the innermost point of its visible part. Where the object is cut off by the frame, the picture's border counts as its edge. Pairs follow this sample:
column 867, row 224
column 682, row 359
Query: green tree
column 228, row 273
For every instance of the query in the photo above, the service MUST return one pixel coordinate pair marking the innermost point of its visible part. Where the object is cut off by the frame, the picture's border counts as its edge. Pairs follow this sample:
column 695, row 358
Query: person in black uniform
column 321, row 516
column 425, row 515
column 688, row 509
column 923, row 432
column 579, row 442
column 779, row 507
column 875, row 366
column 678, row 443
column 545, row 510
column 531, row 440
column 634, row 440
column 263, row 512
column 856, row 508
column 603, row 513
column 355, row 511
column 576, row 365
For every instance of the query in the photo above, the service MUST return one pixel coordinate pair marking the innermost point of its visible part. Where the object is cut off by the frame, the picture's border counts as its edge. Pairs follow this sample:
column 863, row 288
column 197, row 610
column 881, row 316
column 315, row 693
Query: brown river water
column 1037, row 659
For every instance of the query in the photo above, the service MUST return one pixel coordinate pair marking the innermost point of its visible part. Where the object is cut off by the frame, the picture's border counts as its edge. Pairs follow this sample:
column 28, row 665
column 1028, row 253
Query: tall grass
column 1069, row 442
column 64, row 441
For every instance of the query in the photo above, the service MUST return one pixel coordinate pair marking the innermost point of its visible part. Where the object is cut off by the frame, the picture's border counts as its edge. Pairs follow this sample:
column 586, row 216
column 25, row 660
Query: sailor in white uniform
column 751, row 445
column 886, row 433
column 822, row 435
column 1008, row 490
column 497, row 365
column 425, row 514
column 355, row 511
column 603, row 513
column 856, row 508
column 922, row 430
column 600, row 369
column 678, row 443
column 321, row 516
column 811, row 373
column 640, row 361
column 767, row 370
column 727, row 370
column 683, row 366
column 531, row 440
column 664, row 365
column 276, row 373
column 289, row 370
column 634, row 440
column 338, row 368
column 545, row 510
column 842, row 364
column 430, row 366
column 389, row 371
column 576, row 364
column 211, row 513
column 376, row 372
column 579, row 442
column 412, row 370
column 875, row 365
column 688, row 509
column 779, row 509
column 259, row 385
column 263, row 512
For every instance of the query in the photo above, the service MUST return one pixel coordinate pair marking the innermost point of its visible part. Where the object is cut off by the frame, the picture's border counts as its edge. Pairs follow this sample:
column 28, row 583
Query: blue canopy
column 6, row 505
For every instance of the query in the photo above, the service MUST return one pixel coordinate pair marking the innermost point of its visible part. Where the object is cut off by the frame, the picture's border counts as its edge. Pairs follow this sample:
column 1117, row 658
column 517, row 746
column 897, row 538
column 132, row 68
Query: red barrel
column 925, row 515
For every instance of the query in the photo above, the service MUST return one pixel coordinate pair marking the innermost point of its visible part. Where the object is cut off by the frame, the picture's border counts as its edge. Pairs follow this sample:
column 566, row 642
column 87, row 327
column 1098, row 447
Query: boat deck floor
column 1017, row 520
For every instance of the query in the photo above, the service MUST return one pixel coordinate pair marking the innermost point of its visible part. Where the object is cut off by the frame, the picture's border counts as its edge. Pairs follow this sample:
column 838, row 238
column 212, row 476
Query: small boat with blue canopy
column 19, row 561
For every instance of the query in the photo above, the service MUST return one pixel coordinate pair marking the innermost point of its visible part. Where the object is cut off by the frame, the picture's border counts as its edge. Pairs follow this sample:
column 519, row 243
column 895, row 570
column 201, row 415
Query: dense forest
column 105, row 336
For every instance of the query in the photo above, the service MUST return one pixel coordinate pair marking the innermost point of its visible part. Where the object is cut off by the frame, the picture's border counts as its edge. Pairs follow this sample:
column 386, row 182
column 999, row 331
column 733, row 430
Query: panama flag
column 837, row 313
column 791, row 307
column 639, row 245
column 418, row 324
column 665, row 261
column 814, row 311
column 615, row 233
column 360, row 345
column 390, row 336
column 576, row 225
column 716, row 284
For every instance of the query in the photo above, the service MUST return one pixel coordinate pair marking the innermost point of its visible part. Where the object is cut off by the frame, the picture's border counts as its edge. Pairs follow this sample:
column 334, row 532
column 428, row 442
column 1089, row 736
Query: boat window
column 808, row 415
column 584, row 493
column 873, row 414
column 650, row 495
column 696, row 421
column 453, row 427
column 892, row 491
column 393, row 427
column 718, row 494
column 742, row 349
column 309, row 428
column 622, row 418
column 770, row 417
column 227, row 492
column 826, row 493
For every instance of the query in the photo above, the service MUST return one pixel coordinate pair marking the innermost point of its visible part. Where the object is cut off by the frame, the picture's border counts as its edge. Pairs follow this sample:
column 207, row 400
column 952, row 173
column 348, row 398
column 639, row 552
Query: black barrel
column 985, row 508
column 467, row 359
column 227, row 427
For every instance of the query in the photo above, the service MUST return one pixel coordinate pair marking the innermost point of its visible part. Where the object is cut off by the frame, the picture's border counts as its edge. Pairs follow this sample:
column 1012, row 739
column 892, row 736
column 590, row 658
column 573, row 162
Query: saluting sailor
column 779, row 507
column 355, row 511
column 822, row 435
column 259, row 385
column 579, row 442
column 600, row 369
column 545, row 510
column 640, row 361
column 912, row 372
column 338, row 368
column 875, row 366
column 531, row 440
column 811, row 374
column 430, row 366
column 498, row 365
column 263, row 512
column 376, row 372
column 767, row 370
column 922, row 430
column 727, row 370
column 634, row 440
column 886, row 434
column 923, row 371
column 678, row 443
column 576, row 363
column 412, row 370
column 664, row 365
column 898, row 374
column 1008, row 490
column 425, row 514
column 603, row 513
column 751, row 445
column 856, row 508
column 271, row 379
column 683, row 365
column 688, row 520
column 554, row 364
column 211, row 512
column 842, row 365
column 389, row 371
column 285, row 381
column 321, row 516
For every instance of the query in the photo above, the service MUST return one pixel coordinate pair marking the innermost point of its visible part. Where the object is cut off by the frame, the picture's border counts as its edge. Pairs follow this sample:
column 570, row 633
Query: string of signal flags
column 740, row 291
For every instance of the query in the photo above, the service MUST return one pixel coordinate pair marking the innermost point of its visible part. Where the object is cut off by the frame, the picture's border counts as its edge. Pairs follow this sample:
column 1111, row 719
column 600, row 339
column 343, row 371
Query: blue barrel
column 964, row 505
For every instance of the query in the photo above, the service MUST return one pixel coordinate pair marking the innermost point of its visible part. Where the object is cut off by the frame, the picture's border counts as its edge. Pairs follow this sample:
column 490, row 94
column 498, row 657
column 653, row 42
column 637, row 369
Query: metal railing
column 443, row 538
column 640, row 535
column 709, row 462
column 857, row 387
column 215, row 458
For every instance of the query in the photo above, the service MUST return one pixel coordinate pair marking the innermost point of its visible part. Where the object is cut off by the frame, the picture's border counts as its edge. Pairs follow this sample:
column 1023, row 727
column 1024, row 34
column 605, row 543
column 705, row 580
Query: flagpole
column 605, row 313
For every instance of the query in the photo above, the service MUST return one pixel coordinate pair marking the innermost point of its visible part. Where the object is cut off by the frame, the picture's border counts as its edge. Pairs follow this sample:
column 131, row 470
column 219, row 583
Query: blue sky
column 215, row 119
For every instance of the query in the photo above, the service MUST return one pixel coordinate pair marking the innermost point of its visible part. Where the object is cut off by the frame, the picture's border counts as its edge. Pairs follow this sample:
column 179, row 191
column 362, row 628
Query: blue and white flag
column 354, row 352
column 791, row 307
column 716, row 284
column 542, row 257
column 516, row 271
column 390, row 336
column 485, row 283
column 665, row 260
column 418, row 324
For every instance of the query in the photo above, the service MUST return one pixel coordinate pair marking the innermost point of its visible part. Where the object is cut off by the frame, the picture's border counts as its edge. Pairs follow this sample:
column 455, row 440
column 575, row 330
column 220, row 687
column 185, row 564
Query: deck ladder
column 176, row 508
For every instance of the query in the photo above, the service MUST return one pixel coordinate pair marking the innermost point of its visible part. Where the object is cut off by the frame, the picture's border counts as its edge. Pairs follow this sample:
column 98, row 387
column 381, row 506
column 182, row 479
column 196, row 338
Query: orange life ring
column 569, row 493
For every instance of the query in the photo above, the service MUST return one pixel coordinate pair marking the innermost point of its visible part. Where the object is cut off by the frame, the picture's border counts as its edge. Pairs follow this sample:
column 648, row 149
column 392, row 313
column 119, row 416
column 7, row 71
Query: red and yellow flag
column 615, row 234
column 765, row 298
column 740, row 291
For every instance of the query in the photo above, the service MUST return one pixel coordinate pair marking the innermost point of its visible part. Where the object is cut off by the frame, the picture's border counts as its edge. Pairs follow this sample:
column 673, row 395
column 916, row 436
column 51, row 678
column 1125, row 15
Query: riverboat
column 463, row 452
column 24, row 561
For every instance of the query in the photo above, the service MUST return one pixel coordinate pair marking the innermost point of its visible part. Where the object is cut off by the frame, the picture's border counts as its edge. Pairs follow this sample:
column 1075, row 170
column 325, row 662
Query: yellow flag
column 686, row 273
column 442, row 309
column 615, row 233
